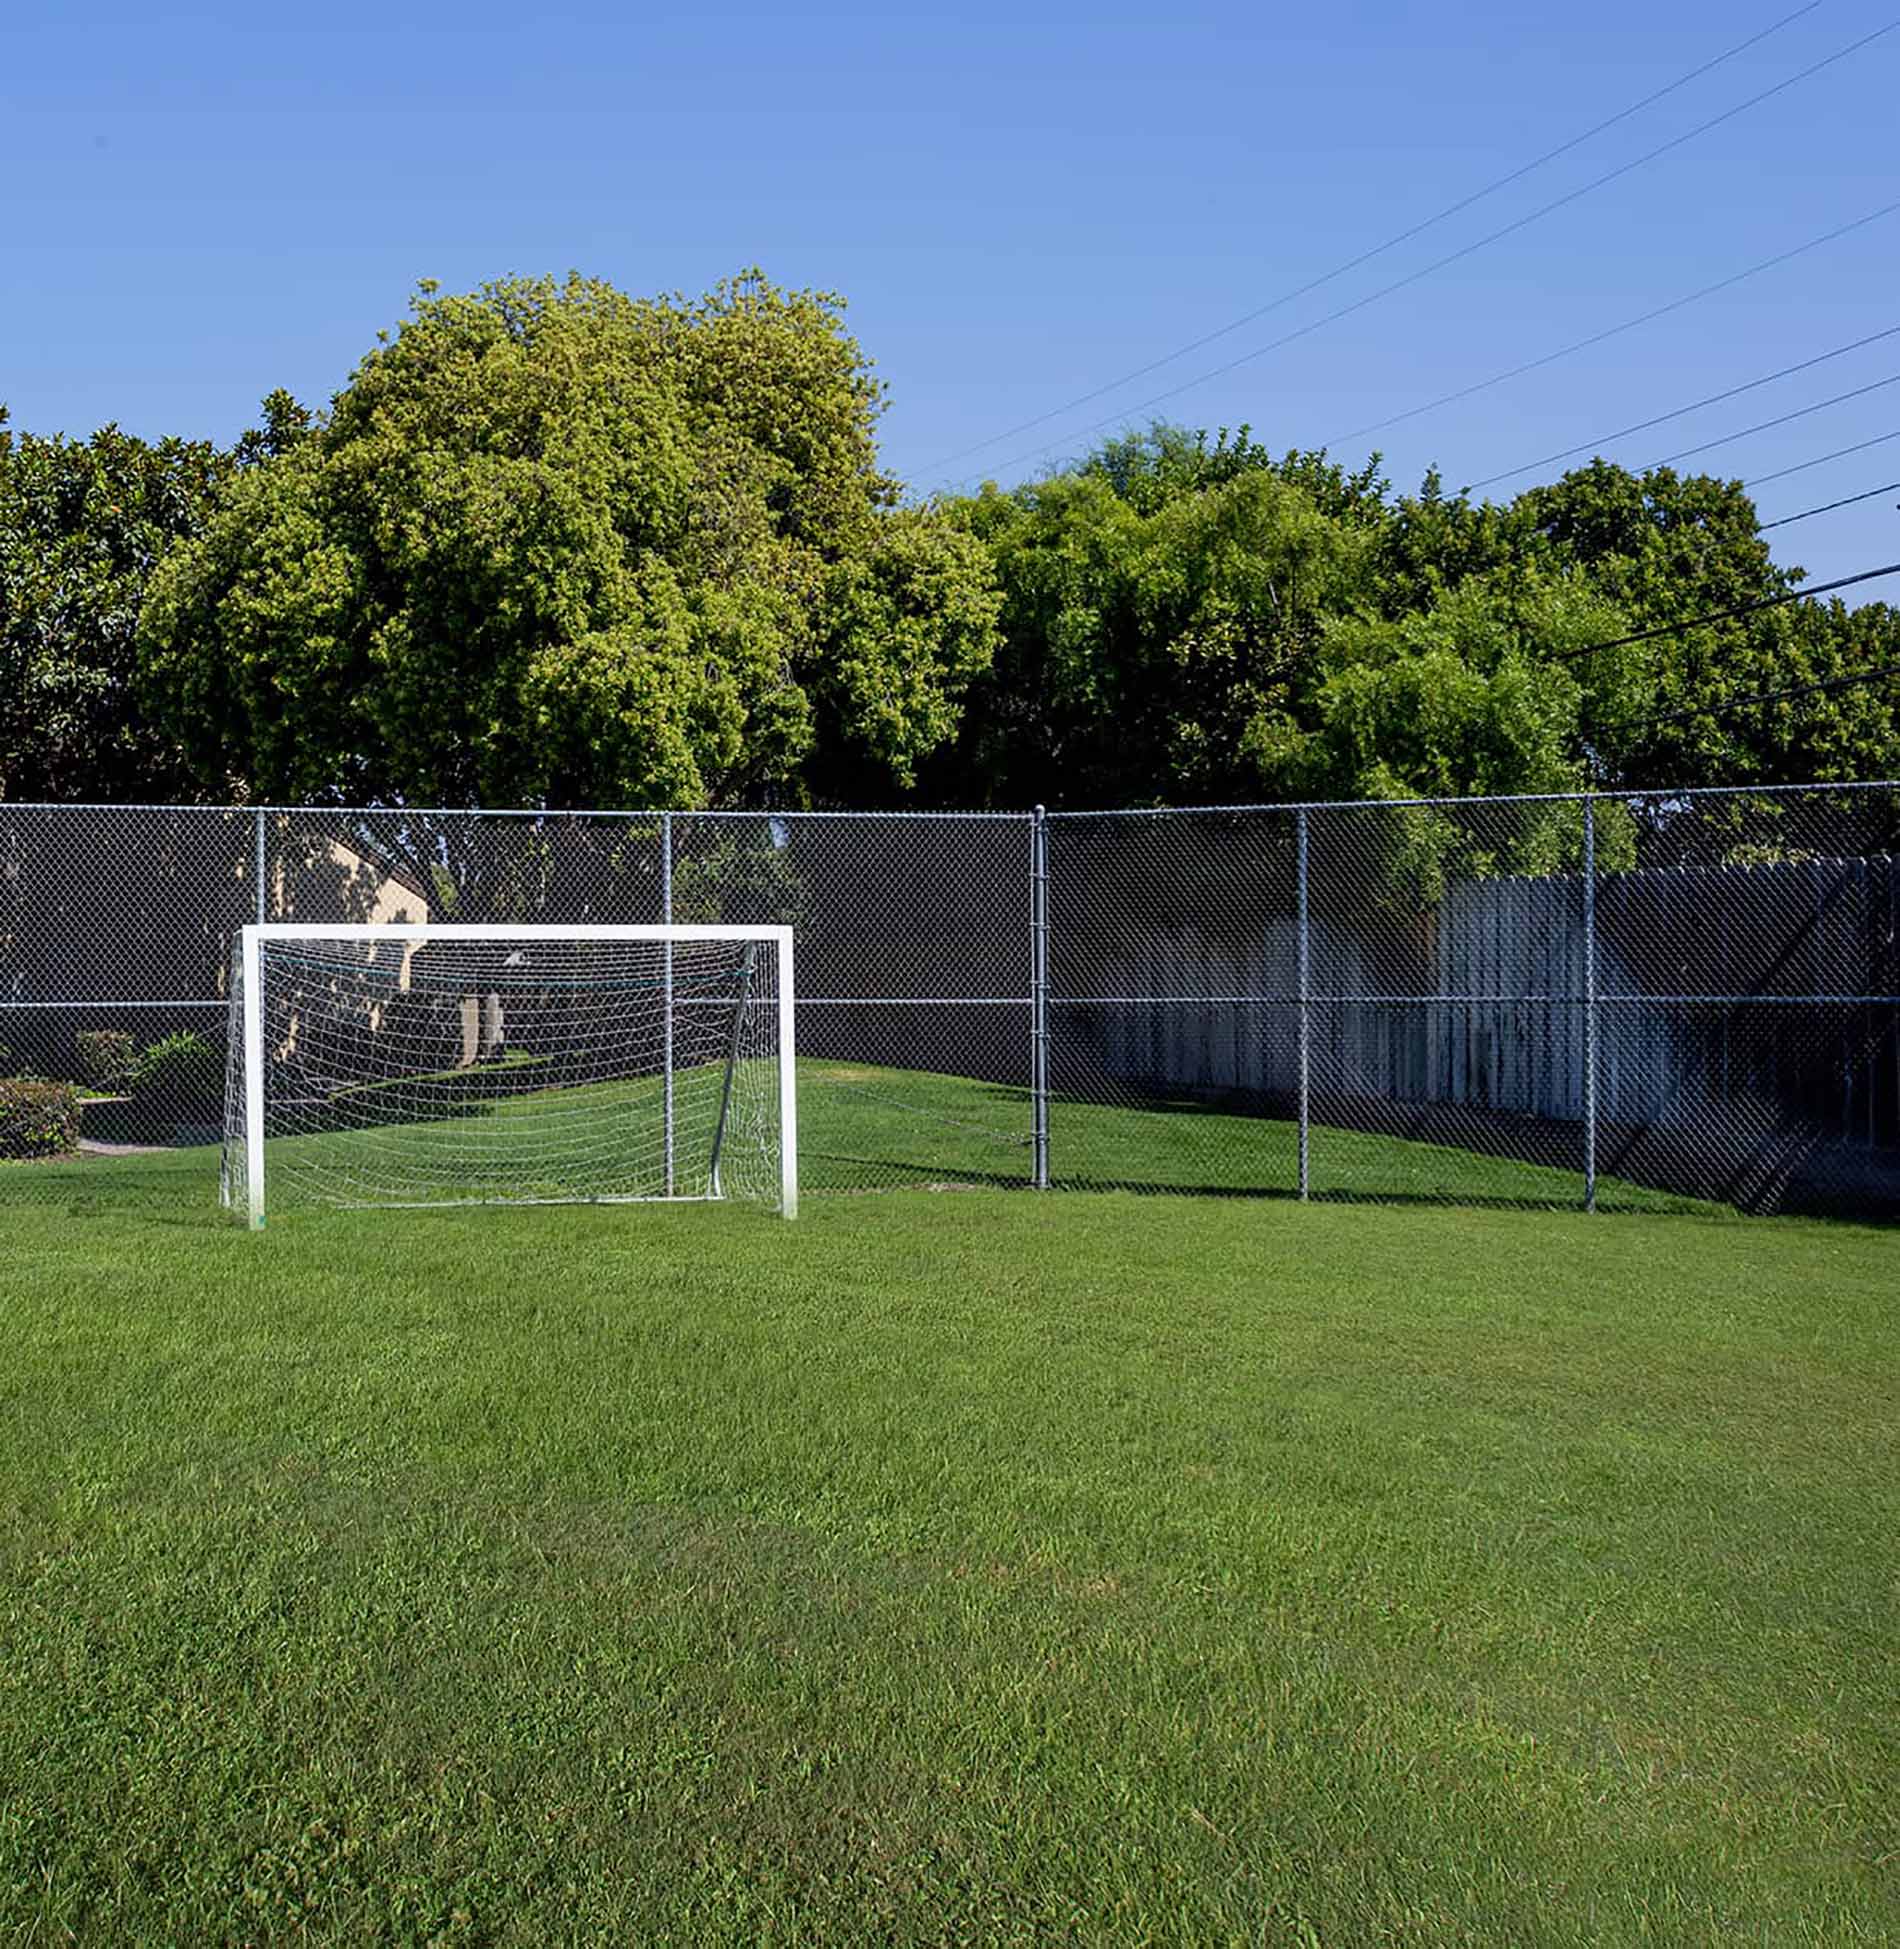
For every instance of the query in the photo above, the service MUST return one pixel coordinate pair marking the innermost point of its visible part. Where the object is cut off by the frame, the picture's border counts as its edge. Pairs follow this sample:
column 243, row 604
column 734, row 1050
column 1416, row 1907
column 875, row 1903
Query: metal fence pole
column 263, row 892
column 1306, row 1020
column 666, row 915
column 1039, row 989
column 1589, row 1004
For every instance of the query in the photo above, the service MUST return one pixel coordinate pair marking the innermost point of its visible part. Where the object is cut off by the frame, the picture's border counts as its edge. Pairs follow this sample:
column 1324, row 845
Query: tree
column 1150, row 470
column 1665, row 547
column 1186, row 619
column 557, row 546
column 83, row 524
column 1662, row 548
column 1157, row 605
column 1470, row 697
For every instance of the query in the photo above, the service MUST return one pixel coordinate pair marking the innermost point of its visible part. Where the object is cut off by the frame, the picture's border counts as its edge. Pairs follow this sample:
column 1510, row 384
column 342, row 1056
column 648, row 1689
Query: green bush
column 105, row 1055
column 180, row 1071
column 37, row 1119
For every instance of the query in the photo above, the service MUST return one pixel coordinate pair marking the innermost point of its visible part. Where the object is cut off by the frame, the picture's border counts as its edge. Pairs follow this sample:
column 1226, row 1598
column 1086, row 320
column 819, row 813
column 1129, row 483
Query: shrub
column 179, row 1071
column 105, row 1055
column 37, row 1119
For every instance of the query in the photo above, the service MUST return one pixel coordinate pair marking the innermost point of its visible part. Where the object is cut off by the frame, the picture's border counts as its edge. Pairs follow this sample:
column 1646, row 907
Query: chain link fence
column 1684, row 1000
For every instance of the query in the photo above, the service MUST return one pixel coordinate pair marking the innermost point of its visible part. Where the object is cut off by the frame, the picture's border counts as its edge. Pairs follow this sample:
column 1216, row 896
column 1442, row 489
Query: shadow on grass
column 914, row 1176
column 921, row 1177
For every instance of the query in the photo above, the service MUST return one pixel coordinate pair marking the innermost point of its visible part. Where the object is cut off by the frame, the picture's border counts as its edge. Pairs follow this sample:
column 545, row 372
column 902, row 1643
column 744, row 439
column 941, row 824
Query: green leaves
column 81, row 525
column 555, row 545
column 1461, row 699
column 908, row 622
column 37, row 1119
column 1146, row 631
column 559, row 546
column 1185, row 621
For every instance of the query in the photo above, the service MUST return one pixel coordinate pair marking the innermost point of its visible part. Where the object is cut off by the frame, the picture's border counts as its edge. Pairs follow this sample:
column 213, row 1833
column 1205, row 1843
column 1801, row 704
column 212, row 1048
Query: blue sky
column 1020, row 202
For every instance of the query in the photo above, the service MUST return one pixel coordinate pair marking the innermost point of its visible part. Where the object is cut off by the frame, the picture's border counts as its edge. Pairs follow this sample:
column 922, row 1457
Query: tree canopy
column 555, row 545
column 1186, row 619
column 83, row 524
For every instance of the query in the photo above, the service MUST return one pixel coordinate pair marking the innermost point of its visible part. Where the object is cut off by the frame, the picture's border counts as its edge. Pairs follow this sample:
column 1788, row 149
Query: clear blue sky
column 1020, row 202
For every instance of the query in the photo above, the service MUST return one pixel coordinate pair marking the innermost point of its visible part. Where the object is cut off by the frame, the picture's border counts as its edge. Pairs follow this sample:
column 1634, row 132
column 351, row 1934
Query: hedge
column 181, row 1071
column 37, row 1119
column 105, row 1055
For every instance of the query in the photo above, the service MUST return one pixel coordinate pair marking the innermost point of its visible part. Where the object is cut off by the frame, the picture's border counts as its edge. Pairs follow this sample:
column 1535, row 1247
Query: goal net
column 446, row 1065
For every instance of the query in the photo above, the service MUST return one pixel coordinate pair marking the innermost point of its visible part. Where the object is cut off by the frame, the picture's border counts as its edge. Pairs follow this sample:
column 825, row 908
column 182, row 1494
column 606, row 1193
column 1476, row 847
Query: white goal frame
column 256, row 933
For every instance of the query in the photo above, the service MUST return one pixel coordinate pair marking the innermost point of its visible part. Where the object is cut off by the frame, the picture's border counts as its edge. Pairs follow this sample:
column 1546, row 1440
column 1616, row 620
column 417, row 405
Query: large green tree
column 1192, row 619
column 1664, row 547
column 83, row 524
column 555, row 545
column 1469, row 696
column 1159, row 604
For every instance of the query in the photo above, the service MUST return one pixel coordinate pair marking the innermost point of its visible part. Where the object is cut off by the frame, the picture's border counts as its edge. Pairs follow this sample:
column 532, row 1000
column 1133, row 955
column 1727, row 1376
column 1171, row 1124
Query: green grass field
column 987, row 1567
column 869, row 1128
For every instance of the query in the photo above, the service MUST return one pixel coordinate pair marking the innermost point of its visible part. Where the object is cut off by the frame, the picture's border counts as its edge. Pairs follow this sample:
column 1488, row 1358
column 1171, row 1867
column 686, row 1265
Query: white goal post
column 422, row 1064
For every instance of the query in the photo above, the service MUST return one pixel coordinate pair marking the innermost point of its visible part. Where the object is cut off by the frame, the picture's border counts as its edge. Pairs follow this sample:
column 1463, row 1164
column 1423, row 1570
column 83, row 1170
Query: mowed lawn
column 864, row 1126
column 974, row 1566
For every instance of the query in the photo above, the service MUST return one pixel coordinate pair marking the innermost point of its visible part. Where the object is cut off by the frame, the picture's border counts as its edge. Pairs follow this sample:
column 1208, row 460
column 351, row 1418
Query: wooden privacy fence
column 1728, row 1006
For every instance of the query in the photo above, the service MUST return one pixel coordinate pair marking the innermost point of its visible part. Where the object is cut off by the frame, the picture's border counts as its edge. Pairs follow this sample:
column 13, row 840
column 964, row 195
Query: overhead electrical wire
column 1828, row 507
column 1616, row 331
column 1464, row 251
column 1675, row 413
column 1821, row 459
column 1762, row 426
column 1886, row 670
column 1377, row 250
column 1721, row 615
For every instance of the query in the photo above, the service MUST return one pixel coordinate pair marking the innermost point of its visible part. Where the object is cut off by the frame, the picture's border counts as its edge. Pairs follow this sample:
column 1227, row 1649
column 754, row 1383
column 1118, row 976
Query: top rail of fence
column 481, row 811
column 1647, row 794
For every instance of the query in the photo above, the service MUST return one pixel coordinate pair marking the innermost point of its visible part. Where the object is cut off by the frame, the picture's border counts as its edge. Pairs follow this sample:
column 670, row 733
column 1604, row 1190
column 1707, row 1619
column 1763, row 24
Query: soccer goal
column 421, row 1065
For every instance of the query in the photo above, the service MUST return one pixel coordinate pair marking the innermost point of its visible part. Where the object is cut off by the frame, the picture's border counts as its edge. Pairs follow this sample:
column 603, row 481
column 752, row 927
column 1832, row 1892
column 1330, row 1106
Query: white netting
column 428, row 1068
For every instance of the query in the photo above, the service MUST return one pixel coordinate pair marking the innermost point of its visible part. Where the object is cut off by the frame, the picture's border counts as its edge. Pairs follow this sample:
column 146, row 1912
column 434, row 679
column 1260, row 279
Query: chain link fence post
column 666, row 916
column 1306, row 1017
column 1039, row 989
column 1589, row 1003
column 263, row 885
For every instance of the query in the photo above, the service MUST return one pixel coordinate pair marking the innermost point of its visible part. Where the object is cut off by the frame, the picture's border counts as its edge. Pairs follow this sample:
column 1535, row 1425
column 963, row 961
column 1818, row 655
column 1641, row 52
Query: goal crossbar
column 419, row 930
column 248, row 1070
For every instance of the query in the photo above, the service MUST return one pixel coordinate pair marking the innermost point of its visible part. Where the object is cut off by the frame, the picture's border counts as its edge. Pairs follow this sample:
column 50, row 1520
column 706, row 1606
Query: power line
column 1722, row 615
column 1378, row 250
column 1828, row 507
column 1886, row 670
column 1616, row 331
column 1466, row 250
column 1821, row 459
column 1695, row 406
column 1762, row 426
